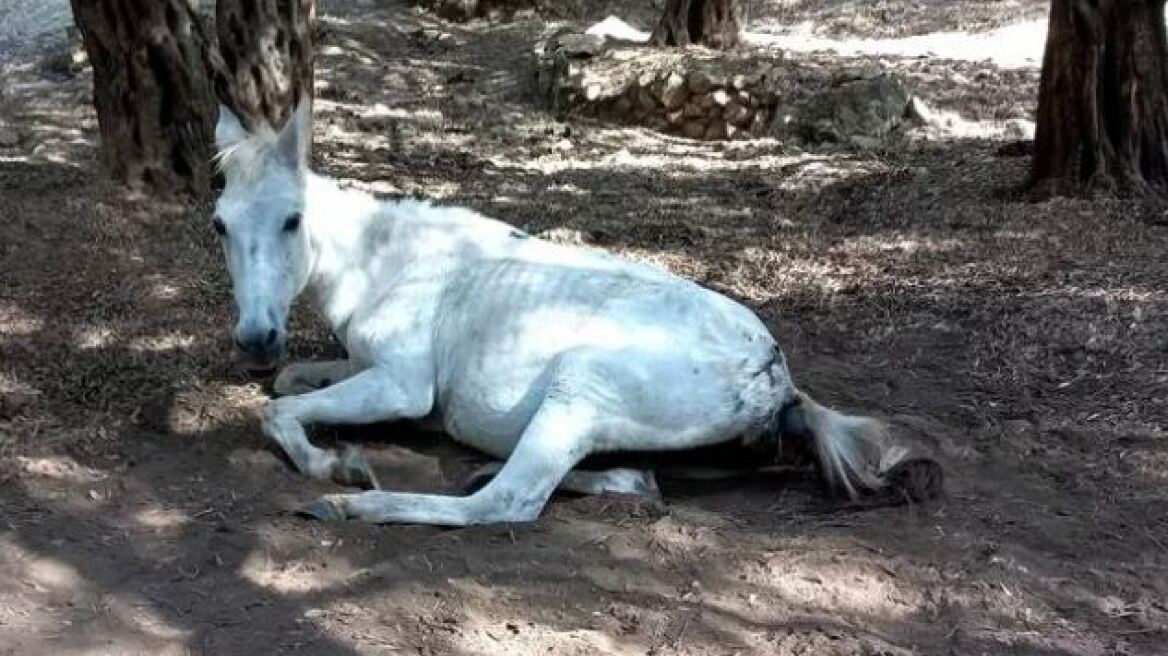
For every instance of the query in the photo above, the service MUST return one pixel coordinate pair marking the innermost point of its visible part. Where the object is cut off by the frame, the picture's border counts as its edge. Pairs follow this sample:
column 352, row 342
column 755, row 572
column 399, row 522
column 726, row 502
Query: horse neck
column 336, row 220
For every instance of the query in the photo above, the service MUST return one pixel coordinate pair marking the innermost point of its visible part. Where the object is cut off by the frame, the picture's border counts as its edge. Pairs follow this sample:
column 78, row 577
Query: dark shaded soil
column 1021, row 344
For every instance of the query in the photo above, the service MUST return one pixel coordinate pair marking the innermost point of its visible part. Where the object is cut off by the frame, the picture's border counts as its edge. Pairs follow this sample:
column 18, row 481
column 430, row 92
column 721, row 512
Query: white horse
column 534, row 353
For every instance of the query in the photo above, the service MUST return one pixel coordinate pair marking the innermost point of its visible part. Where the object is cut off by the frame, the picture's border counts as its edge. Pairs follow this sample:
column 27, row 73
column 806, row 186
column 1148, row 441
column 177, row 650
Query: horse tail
column 853, row 453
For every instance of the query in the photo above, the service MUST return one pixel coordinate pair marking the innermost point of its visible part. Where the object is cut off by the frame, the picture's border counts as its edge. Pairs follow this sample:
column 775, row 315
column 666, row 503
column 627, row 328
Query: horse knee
column 276, row 410
column 492, row 505
column 283, row 428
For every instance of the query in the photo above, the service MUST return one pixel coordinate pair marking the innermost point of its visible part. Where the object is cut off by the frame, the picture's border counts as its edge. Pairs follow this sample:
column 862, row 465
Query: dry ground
column 1023, row 344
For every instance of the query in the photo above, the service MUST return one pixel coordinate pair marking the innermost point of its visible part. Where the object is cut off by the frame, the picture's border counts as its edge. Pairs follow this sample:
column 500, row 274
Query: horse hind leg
column 619, row 480
column 636, row 482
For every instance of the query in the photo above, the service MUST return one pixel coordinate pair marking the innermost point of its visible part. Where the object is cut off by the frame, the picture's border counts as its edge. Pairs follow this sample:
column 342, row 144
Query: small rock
column 720, row 97
column 699, row 82
column 615, row 28
column 716, row 131
column 645, row 100
column 866, row 70
column 918, row 111
column 675, row 117
column 673, row 91
column 1019, row 129
column 66, row 62
column 738, row 115
column 744, row 81
column 758, row 125
column 693, row 129
column 693, row 109
column 579, row 46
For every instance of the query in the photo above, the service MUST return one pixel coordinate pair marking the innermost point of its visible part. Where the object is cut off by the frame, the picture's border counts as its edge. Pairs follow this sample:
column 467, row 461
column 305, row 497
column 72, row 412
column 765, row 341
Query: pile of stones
column 702, row 94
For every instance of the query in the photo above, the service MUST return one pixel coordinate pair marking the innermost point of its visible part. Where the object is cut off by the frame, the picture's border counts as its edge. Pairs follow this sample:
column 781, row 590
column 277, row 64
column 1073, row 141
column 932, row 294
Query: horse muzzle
column 260, row 349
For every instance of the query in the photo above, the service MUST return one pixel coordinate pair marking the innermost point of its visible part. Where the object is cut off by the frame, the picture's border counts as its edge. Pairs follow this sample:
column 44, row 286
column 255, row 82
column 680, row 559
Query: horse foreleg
column 557, row 438
column 369, row 396
column 305, row 377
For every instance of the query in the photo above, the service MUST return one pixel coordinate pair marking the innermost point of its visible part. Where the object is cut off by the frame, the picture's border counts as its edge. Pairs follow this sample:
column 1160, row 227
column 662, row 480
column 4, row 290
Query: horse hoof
column 917, row 479
column 353, row 470
column 323, row 510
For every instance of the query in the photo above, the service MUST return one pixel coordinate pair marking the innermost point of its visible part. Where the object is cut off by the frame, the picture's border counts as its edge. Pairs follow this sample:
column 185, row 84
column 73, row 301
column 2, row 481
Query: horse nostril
column 272, row 334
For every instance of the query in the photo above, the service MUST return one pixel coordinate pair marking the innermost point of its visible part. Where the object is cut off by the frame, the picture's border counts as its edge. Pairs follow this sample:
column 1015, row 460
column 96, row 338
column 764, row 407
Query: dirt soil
column 1020, row 343
column 890, row 18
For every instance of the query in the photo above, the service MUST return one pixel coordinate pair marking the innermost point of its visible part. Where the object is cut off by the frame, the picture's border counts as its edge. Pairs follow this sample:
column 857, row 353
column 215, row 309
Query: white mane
column 247, row 159
column 246, row 155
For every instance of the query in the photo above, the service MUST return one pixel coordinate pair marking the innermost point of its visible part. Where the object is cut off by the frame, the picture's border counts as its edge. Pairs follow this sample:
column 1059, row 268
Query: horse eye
column 220, row 228
column 292, row 223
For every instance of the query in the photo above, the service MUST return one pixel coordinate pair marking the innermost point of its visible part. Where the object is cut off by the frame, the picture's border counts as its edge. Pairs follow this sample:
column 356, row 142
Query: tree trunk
column 268, row 53
column 712, row 23
column 1102, row 103
column 152, row 91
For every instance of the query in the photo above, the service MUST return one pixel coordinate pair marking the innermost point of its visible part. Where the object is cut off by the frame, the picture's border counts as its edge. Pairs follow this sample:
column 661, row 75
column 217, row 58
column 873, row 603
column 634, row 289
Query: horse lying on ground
column 534, row 353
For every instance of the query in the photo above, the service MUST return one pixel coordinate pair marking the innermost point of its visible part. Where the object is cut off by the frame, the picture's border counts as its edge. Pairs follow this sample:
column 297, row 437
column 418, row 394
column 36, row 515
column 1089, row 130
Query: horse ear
column 229, row 129
column 296, row 136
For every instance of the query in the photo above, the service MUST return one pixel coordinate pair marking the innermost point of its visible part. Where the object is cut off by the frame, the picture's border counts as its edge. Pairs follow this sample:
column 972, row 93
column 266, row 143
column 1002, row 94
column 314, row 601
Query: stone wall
column 698, row 95
column 703, row 94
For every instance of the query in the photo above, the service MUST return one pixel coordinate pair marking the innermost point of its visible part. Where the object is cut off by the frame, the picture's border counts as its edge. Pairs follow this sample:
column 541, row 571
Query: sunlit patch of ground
column 890, row 19
column 1012, row 46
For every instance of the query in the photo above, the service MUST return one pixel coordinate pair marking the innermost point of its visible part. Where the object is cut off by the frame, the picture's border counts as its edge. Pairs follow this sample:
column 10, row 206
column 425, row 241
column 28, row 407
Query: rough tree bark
column 1103, row 106
column 152, row 91
column 268, row 54
column 712, row 23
